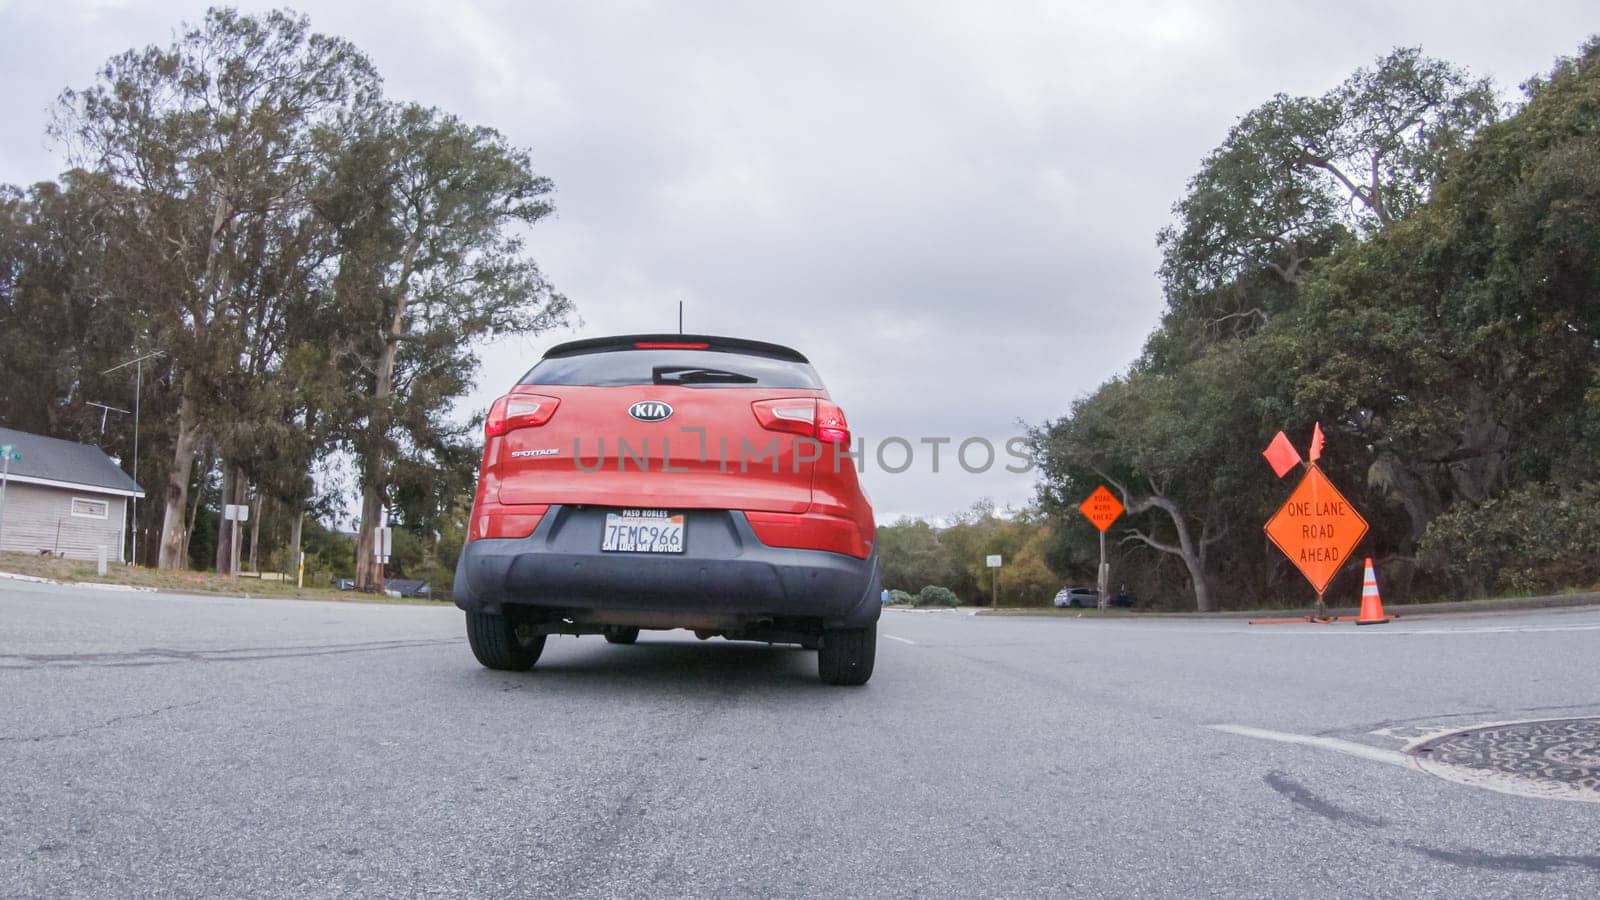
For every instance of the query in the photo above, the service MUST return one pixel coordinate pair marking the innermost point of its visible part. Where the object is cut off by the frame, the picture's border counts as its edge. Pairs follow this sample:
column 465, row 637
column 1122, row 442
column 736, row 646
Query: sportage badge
column 650, row 410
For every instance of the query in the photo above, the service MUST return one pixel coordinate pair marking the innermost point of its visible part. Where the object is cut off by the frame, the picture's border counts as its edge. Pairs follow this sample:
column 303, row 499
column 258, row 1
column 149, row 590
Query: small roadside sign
column 1317, row 529
column 1102, row 508
column 10, row 452
column 382, row 542
column 993, row 560
column 236, row 512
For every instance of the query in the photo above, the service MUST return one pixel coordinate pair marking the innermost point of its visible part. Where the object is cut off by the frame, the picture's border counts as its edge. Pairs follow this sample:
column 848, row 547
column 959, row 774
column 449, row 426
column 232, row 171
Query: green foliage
column 913, row 552
column 1387, row 260
column 318, row 264
column 934, row 595
column 900, row 598
column 910, row 555
column 427, row 213
column 330, row 555
column 1528, row 539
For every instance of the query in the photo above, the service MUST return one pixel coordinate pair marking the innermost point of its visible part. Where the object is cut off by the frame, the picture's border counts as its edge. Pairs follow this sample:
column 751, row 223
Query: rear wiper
column 697, row 375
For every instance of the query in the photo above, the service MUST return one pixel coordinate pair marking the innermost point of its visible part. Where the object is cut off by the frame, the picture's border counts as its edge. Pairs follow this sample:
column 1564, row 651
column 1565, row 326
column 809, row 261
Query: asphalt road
column 185, row 745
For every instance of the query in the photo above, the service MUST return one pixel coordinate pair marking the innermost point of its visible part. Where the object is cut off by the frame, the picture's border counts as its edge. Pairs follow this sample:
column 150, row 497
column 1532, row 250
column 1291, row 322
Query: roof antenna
column 680, row 317
column 104, row 411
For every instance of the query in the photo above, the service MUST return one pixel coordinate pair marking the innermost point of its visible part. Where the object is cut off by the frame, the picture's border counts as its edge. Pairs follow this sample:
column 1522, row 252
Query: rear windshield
column 690, row 368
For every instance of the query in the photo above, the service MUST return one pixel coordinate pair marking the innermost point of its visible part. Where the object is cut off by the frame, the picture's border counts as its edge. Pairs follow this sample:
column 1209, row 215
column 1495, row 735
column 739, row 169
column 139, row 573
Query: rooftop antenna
column 680, row 317
column 105, row 411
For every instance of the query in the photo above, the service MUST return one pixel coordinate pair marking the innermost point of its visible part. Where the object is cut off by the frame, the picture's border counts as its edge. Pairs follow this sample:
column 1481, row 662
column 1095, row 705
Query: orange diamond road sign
column 1317, row 528
column 1102, row 508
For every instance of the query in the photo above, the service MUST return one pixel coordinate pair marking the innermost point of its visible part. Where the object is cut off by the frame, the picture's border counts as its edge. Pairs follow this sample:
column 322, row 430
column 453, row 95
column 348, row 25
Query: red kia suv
column 670, row 481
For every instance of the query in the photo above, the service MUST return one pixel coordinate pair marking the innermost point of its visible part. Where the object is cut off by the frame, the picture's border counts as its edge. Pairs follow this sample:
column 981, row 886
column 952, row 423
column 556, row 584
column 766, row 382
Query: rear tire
column 846, row 655
column 497, row 643
column 620, row 635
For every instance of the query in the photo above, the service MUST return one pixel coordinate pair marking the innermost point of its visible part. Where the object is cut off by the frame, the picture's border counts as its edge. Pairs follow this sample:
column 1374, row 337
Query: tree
column 426, row 210
column 1299, row 175
column 1145, row 435
column 1460, row 345
column 913, row 553
column 55, row 321
column 199, row 139
column 1413, row 275
column 910, row 556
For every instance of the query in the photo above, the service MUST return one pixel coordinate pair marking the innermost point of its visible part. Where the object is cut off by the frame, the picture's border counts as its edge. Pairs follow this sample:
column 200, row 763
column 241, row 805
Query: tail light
column 831, row 426
column 515, row 411
column 819, row 419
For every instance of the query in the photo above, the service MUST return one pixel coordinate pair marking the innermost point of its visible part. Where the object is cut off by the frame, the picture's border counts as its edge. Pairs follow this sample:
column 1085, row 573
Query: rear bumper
column 726, row 575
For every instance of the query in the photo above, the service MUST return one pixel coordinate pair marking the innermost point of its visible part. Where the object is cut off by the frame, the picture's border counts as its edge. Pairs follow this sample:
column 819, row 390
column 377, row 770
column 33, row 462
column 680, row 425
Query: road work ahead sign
column 1102, row 508
column 1317, row 529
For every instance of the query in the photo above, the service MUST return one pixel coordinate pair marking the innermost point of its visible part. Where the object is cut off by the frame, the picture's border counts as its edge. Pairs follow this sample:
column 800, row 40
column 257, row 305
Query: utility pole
column 138, row 390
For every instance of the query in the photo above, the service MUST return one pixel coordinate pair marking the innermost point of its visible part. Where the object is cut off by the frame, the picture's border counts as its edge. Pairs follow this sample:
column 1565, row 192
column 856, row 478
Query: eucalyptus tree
column 55, row 317
column 428, row 214
column 201, row 138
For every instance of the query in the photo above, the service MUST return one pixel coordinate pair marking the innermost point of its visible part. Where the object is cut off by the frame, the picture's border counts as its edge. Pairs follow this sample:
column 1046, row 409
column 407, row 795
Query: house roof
column 56, row 463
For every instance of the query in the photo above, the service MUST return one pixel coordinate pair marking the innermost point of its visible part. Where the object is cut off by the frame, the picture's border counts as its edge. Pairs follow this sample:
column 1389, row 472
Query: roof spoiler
column 674, row 341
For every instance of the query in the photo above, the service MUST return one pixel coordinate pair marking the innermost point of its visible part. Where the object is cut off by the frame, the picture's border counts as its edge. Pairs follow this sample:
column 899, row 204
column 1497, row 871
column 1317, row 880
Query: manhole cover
column 1554, row 758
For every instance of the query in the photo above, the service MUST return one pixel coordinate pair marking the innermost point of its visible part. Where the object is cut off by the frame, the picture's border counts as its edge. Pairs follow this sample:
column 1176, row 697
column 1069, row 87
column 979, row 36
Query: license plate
column 643, row 531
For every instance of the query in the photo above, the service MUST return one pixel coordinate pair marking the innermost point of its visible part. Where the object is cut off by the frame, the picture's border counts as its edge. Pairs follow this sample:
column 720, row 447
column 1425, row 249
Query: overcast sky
column 951, row 208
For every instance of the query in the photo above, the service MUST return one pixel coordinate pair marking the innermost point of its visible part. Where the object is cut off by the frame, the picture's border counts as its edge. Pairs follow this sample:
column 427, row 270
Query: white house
column 63, row 497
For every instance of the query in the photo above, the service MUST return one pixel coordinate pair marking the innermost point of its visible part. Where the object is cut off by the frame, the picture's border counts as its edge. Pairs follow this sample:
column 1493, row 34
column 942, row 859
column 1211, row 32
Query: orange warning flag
column 1281, row 455
column 1316, row 442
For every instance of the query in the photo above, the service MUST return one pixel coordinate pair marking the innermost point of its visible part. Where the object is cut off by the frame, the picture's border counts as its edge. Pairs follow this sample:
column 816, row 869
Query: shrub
column 1532, row 538
column 934, row 595
column 901, row 598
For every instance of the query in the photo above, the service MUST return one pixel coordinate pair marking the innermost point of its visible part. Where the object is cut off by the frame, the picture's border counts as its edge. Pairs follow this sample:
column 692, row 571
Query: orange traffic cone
column 1371, row 603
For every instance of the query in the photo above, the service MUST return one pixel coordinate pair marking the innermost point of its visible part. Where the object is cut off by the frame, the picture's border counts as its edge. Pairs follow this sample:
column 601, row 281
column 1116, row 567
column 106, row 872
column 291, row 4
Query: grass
column 184, row 581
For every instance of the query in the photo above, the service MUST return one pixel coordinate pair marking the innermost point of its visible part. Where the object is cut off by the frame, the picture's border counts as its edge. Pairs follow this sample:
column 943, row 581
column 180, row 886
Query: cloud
column 950, row 207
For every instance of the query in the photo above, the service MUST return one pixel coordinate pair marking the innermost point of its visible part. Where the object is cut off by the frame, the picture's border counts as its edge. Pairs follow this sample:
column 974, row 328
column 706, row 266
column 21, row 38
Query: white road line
column 1335, row 630
column 901, row 639
column 1505, row 629
column 1351, row 748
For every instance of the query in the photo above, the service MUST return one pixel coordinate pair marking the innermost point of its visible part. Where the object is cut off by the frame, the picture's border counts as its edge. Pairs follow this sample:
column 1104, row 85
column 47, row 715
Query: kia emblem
column 650, row 411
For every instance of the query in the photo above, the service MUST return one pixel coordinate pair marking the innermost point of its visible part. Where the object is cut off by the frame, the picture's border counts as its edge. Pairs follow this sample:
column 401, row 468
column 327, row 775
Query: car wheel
column 499, row 643
column 846, row 655
column 616, row 634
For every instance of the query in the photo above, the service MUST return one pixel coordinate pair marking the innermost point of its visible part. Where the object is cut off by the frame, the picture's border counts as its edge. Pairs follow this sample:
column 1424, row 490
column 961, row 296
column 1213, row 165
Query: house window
column 84, row 508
